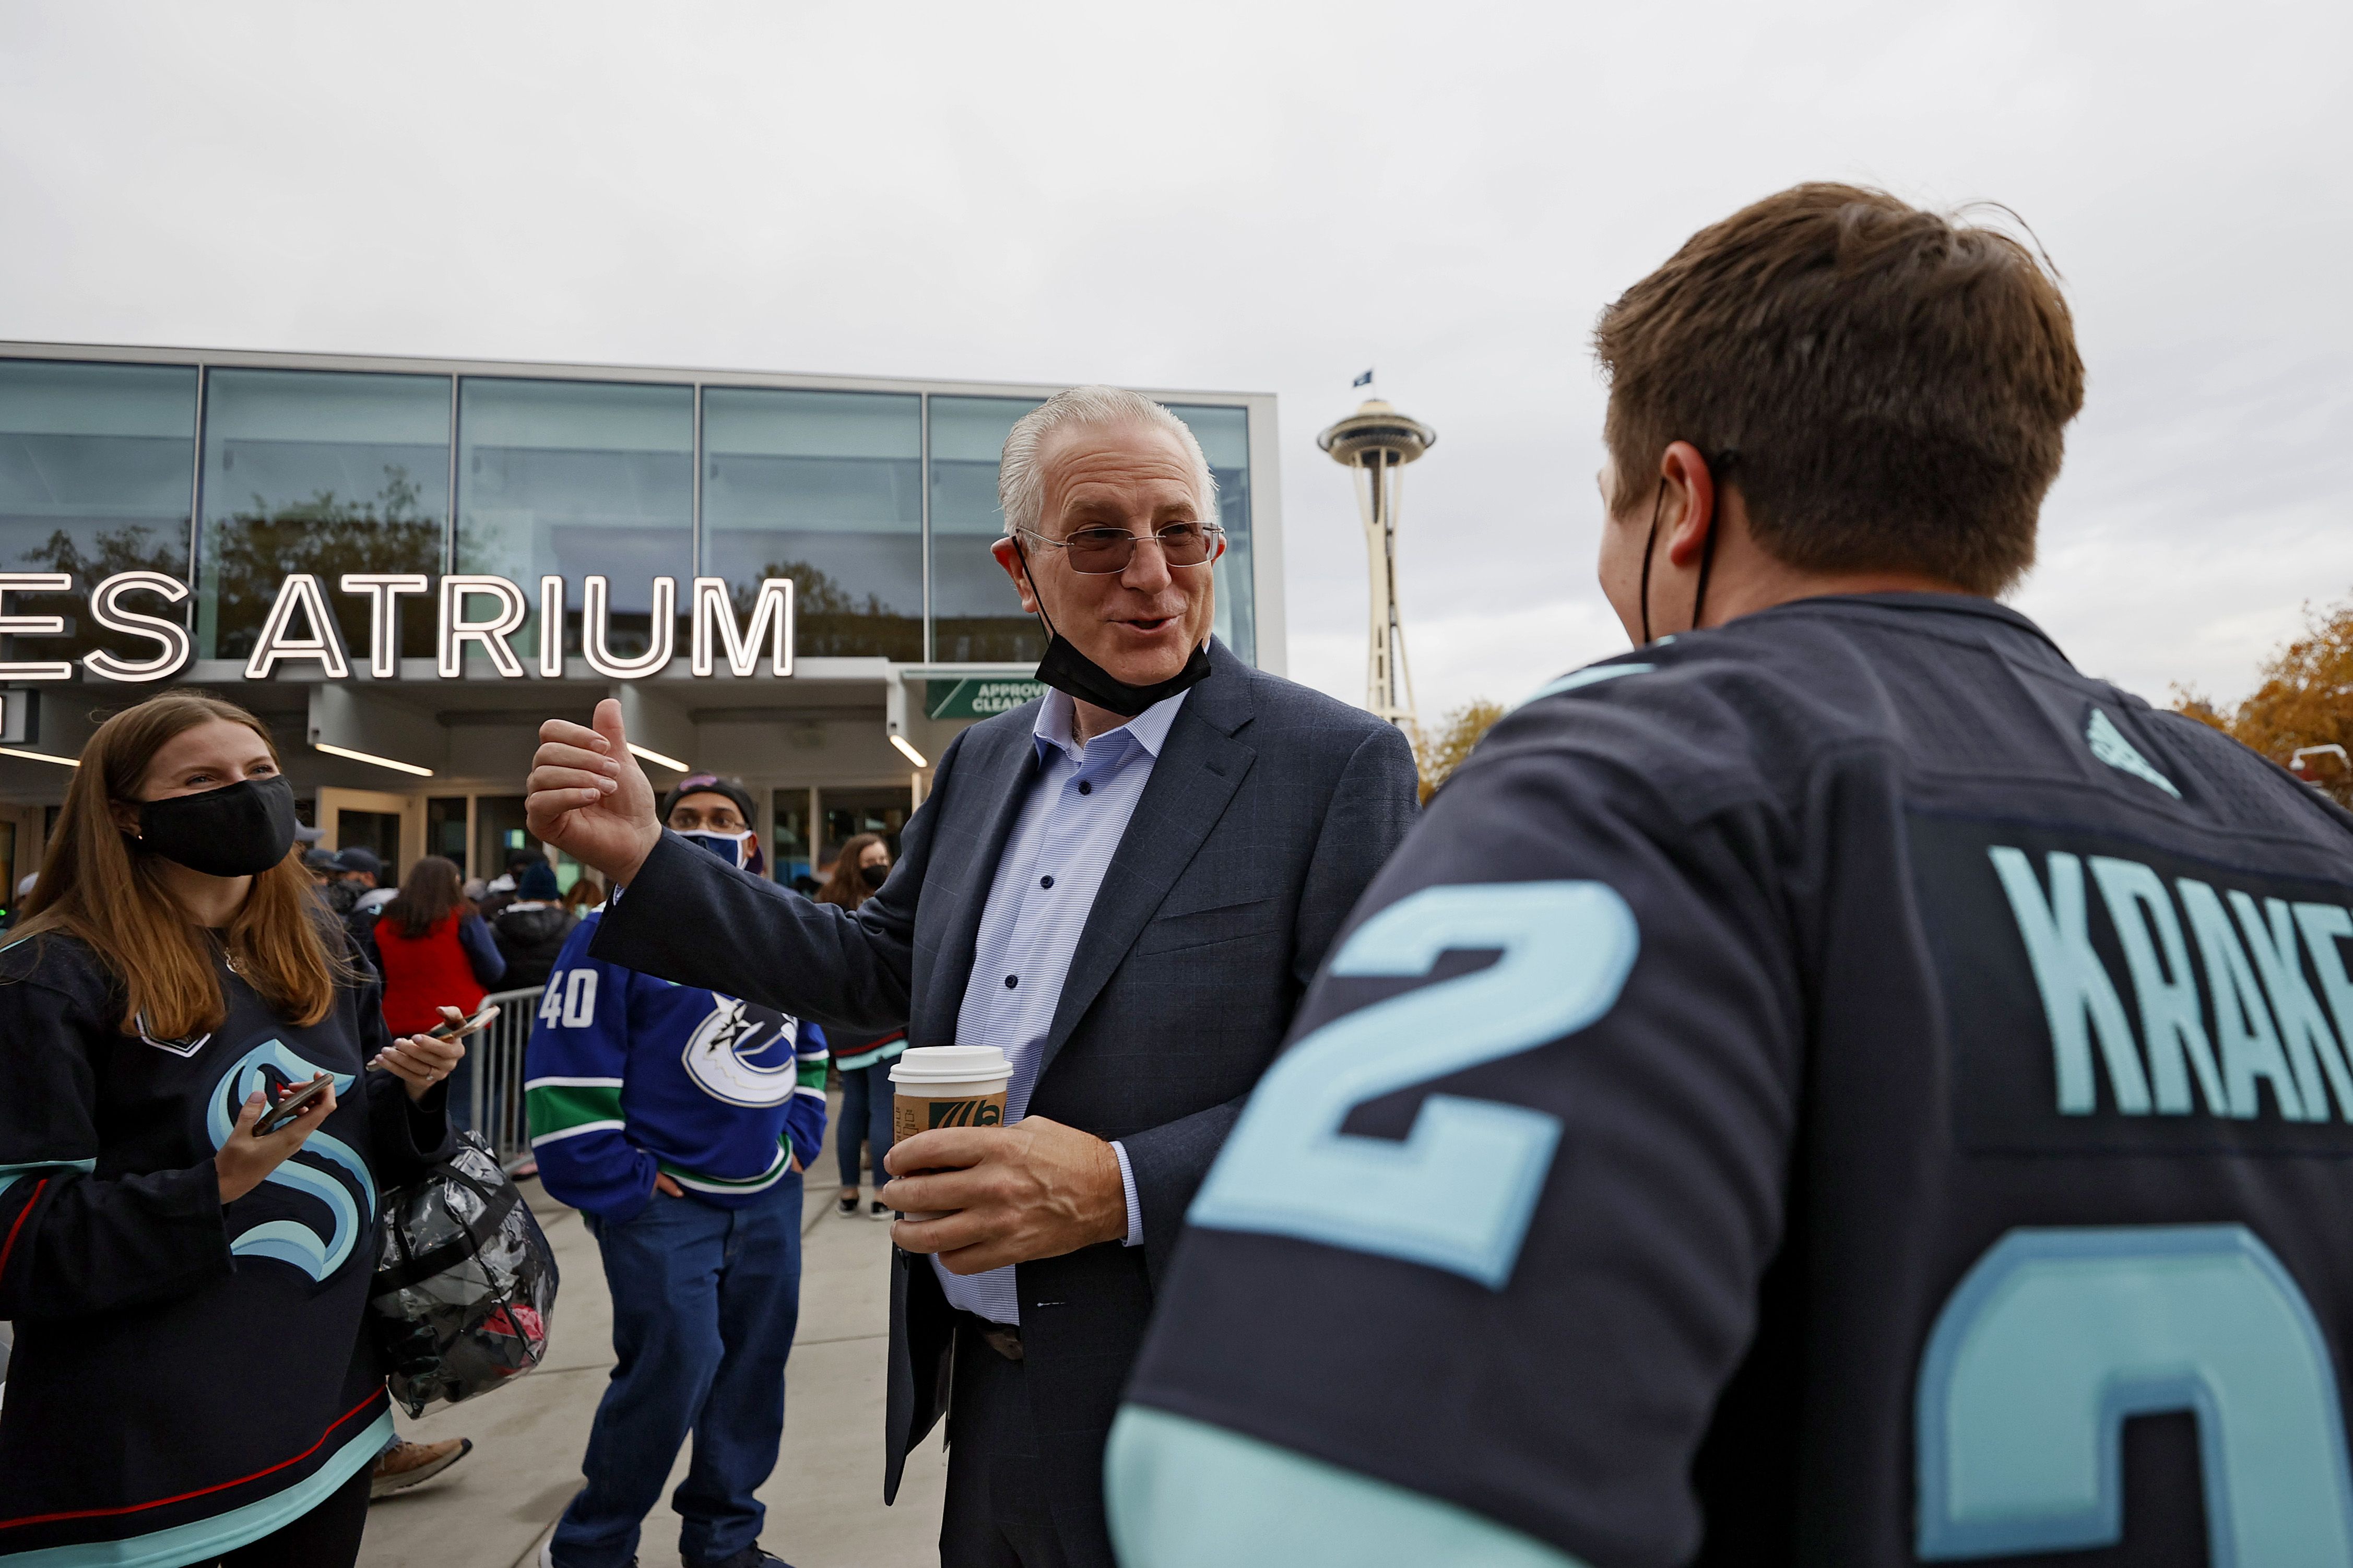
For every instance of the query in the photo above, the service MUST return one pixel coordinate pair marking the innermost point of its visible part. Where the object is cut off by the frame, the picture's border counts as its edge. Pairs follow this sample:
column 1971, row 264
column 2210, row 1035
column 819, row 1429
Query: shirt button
column 1086, row 788
column 1011, row 981
column 1045, row 881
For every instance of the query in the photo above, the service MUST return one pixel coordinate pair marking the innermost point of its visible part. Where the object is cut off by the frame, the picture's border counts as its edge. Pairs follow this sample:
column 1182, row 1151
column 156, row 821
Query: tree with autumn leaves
column 1437, row 753
column 2305, row 700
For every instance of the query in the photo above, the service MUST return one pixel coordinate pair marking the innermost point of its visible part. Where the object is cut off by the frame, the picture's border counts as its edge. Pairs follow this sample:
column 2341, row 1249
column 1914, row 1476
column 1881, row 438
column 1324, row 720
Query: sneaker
column 877, row 1209
column 750, row 1557
column 846, row 1207
column 547, row 1555
column 404, row 1465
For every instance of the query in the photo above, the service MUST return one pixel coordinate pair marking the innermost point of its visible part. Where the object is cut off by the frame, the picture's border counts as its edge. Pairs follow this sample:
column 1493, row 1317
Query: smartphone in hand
column 293, row 1106
column 464, row 1027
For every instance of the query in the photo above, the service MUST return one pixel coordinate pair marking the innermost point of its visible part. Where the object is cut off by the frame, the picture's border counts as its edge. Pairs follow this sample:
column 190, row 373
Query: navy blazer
column 1267, row 813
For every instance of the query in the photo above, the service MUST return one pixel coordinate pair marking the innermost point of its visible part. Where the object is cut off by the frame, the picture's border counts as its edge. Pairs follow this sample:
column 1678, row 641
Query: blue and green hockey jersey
column 627, row 1075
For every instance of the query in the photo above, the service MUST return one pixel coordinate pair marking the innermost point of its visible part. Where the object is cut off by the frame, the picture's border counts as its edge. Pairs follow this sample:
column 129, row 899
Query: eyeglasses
column 1101, row 551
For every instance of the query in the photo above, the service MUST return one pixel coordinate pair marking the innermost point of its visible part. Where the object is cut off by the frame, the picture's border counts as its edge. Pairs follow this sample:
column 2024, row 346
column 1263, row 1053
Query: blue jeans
column 704, row 1303
column 865, row 1113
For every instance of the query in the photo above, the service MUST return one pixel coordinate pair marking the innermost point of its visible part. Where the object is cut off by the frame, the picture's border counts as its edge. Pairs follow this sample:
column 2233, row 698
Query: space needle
column 1378, row 442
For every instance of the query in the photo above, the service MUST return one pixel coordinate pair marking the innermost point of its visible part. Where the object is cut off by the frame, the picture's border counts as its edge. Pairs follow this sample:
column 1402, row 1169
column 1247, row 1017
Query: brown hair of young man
column 1895, row 383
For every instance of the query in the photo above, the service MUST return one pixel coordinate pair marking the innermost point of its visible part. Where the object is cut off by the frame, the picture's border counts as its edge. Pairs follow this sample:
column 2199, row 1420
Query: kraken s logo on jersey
column 743, row 1055
column 270, row 1067
column 2107, row 994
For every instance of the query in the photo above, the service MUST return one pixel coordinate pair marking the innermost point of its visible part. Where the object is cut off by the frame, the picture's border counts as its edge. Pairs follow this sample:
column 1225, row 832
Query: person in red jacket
column 435, row 951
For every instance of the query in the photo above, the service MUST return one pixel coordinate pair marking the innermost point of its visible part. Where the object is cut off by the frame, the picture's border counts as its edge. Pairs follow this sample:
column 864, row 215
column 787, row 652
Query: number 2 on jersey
column 1459, row 1191
column 2055, row 1336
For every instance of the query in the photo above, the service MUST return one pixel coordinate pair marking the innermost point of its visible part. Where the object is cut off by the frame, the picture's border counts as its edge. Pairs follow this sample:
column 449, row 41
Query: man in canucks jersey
column 677, row 1121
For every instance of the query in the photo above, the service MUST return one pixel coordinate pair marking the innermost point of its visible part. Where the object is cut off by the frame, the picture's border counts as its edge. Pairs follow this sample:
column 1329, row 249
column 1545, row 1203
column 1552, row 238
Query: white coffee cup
column 947, row 1086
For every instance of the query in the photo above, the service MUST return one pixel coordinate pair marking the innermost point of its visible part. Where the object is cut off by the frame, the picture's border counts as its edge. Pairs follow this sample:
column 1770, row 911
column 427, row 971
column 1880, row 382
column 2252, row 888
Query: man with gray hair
column 1126, row 885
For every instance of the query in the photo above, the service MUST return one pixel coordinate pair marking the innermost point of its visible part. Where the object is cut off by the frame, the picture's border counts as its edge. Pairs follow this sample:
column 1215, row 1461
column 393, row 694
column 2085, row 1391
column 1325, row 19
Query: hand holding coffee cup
column 978, row 1192
column 947, row 1086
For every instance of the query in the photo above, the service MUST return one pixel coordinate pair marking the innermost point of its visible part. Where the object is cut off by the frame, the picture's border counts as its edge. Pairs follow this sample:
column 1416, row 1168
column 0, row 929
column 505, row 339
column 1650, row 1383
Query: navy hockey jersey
column 626, row 1075
column 1840, row 1087
column 188, row 1375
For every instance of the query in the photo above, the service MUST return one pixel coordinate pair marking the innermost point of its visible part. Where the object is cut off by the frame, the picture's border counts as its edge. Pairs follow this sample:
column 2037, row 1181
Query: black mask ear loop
column 1649, row 548
column 1723, row 465
column 1050, row 632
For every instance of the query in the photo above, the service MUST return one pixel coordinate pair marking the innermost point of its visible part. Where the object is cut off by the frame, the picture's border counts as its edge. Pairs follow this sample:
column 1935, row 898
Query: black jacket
column 529, row 939
column 1268, row 812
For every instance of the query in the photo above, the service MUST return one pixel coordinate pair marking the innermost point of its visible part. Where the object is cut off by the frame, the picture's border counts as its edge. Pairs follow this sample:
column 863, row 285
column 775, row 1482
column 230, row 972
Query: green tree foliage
column 251, row 554
column 828, row 621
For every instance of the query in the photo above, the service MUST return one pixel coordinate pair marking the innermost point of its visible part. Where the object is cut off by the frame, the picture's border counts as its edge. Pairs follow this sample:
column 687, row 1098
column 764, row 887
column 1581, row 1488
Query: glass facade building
column 223, row 476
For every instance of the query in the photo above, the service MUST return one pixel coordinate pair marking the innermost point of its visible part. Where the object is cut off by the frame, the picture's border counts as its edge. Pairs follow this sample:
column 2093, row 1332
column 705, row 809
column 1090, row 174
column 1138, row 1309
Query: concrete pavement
column 494, row 1507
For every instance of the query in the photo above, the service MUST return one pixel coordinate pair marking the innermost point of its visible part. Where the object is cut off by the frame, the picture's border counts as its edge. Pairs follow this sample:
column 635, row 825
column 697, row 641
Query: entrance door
column 499, row 830
column 391, row 824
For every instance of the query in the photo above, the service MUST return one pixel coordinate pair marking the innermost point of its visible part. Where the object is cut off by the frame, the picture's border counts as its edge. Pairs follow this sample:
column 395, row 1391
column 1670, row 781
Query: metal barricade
column 497, row 1108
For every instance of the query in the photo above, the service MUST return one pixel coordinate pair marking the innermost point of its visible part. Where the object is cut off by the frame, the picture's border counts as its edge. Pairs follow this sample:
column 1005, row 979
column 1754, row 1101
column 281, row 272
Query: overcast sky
column 1252, row 197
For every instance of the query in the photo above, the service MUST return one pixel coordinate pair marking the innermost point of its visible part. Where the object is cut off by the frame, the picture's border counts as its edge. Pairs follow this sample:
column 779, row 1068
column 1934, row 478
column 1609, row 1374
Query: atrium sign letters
column 482, row 611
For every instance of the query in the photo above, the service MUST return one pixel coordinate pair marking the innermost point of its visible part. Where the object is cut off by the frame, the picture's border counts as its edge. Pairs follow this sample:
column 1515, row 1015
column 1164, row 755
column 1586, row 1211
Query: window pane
column 1224, row 435
column 444, row 830
column 323, row 472
column 95, row 468
column 975, row 614
column 850, row 812
column 498, row 829
column 573, row 479
column 820, row 487
column 790, row 858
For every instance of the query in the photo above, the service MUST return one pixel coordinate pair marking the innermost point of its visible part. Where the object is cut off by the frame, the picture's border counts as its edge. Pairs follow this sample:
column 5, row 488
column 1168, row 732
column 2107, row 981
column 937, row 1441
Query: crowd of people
column 1809, row 1089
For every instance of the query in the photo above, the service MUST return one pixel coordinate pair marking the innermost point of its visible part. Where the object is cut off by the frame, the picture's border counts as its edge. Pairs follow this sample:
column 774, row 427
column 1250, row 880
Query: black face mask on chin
column 238, row 831
column 1066, row 669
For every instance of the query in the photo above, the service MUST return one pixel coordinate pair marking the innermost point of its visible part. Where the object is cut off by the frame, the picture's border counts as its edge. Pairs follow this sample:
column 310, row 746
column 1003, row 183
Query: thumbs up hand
column 589, row 798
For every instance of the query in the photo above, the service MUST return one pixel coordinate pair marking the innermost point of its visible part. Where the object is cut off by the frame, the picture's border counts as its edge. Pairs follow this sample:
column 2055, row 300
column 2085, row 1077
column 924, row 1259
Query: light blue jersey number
column 2055, row 1336
column 1458, row 1193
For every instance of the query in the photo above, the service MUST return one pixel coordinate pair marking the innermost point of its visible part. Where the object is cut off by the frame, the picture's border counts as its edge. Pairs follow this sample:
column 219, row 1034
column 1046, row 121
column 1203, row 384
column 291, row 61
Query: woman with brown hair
column 434, row 949
column 587, row 893
column 859, row 873
column 191, row 1381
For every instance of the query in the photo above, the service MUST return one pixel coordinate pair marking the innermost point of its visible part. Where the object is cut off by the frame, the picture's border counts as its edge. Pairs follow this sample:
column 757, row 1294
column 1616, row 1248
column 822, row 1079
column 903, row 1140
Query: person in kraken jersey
column 192, row 1382
column 1833, row 1085
column 679, row 1120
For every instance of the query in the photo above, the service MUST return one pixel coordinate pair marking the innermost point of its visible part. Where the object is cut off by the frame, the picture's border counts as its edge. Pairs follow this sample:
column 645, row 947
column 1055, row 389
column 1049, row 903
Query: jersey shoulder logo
column 2108, row 744
column 743, row 1055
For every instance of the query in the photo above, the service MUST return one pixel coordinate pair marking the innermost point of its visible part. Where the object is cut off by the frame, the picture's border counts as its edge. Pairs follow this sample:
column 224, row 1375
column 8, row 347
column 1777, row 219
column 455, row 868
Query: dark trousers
column 996, row 1514
column 704, row 1303
column 865, row 1113
column 326, row 1536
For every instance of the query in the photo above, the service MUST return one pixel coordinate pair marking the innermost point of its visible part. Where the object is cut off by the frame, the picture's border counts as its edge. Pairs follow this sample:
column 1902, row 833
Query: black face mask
column 874, row 875
column 238, row 830
column 1066, row 669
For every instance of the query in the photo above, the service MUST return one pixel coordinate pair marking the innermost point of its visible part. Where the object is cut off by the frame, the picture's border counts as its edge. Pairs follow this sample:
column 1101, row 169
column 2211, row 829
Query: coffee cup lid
column 949, row 1064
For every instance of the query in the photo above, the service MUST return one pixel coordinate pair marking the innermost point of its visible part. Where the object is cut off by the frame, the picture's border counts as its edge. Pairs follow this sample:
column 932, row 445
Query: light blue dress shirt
column 1054, row 861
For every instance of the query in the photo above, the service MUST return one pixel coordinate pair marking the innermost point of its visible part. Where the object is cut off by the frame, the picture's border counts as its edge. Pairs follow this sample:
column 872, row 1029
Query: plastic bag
column 465, row 1283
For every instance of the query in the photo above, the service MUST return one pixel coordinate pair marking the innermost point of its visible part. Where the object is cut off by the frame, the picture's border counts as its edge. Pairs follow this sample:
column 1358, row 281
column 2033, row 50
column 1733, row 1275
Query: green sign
column 977, row 699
